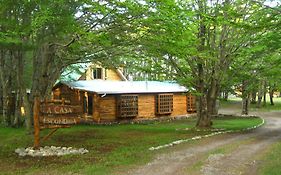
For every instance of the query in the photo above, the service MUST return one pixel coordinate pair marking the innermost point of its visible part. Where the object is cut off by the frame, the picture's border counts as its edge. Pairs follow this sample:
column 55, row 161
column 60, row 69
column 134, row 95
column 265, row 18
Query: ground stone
column 49, row 151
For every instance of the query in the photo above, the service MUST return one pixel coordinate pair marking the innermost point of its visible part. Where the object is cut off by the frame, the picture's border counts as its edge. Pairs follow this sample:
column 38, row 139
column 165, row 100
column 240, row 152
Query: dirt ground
column 228, row 154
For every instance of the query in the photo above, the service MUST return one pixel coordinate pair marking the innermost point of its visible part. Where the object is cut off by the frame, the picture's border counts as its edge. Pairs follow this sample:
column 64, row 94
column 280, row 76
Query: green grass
column 233, row 123
column 113, row 149
column 272, row 161
column 235, row 102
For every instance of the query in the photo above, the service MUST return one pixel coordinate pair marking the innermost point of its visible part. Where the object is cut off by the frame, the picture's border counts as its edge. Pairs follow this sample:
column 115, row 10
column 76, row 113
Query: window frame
column 127, row 106
column 190, row 103
column 97, row 73
column 164, row 103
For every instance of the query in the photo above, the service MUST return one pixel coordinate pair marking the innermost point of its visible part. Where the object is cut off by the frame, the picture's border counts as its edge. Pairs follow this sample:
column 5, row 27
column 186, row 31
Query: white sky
column 272, row 3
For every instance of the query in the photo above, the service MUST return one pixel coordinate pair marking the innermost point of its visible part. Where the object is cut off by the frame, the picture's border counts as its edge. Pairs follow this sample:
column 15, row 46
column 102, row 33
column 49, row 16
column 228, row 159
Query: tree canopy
column 207, row 46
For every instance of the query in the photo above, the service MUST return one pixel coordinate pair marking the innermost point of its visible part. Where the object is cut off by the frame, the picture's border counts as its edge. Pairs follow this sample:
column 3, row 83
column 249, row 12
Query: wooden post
column 36, row 110
column 49, row 135
column 96, row 103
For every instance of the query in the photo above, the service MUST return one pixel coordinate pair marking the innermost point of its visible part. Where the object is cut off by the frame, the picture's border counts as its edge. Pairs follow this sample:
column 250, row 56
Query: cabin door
column 90, row 105
column 85, row 105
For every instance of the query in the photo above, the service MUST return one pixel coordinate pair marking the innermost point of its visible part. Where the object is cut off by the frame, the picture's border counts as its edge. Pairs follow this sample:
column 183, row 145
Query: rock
column 31, row 151
column 59, row 154
column 19, row 150
column 22, row 154
column 49, row 151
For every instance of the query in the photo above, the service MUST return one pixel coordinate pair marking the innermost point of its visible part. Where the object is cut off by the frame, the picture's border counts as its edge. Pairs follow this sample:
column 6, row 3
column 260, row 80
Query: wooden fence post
column 36, row 111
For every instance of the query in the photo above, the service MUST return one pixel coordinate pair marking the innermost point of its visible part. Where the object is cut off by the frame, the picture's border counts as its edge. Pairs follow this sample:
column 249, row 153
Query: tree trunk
column 46, row 70
column 28, row 114
column 5, row 68
column 21, row 89
column 6, row 108
column 245, row 99
column 245, row 105
column 260, row 94
column 17, row 114
column 1, row 100
column 202, row 111
column 271, row 93
column 212, row 94
column 254, row 97
column 264, row 93
column 225, row 95
column 204, row 119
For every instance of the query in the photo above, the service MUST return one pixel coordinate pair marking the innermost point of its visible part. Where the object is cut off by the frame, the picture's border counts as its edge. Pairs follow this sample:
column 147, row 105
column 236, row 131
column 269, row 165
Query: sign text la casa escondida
column 56, row 109
column 53, row 116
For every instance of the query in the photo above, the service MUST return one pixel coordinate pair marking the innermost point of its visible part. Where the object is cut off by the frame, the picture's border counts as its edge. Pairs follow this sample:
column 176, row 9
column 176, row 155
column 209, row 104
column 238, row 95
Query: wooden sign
column 51, row 115
column 59, row 109
column 58, row 120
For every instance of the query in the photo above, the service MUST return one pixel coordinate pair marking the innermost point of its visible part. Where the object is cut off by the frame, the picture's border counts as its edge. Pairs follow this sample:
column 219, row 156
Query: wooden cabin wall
column 89, row 74
column 112, row 75
column 146, row 106
column 68, row 94
column 107, row 108
column 179, row 104
column 96, row 107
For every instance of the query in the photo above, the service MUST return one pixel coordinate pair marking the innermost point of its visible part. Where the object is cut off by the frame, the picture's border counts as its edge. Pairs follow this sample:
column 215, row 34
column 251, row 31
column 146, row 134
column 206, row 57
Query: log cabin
column 108, row 100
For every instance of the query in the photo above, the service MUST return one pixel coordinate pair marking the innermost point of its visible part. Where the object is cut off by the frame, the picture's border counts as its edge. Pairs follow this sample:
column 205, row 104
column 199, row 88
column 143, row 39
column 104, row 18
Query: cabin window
column 164, row 103
column 127, row 105
column 97, row 73
column 190, row 103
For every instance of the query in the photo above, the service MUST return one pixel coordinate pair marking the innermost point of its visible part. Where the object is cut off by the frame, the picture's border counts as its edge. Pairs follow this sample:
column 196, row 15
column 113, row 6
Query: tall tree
column 196, row 43
column 55, row 34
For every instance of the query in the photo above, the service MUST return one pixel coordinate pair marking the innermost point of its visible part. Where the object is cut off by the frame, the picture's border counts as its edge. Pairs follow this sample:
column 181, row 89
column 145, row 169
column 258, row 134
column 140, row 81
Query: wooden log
column 49, row 135
column 62, row 101
column 36, row 110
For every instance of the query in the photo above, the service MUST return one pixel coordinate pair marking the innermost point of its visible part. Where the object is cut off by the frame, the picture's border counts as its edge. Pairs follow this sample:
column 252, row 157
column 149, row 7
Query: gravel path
column 241, row 157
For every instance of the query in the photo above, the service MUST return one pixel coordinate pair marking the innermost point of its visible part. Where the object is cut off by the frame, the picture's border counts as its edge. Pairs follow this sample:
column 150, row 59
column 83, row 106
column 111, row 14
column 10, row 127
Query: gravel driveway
column 228, row 154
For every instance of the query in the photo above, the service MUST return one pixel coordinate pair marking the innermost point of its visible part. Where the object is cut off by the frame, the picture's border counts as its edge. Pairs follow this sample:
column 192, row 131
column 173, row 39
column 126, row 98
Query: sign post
column 50, row 115
column 36, row 110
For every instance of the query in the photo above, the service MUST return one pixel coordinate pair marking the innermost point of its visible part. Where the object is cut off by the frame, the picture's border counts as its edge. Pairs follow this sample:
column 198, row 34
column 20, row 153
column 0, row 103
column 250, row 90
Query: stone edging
column 204, row 136
column 49, row 151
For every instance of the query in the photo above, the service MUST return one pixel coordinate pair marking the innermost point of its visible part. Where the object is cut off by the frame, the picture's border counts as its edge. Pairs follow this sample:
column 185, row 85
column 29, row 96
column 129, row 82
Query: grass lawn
column 272, row 161
column 113, row 149
column 233, row 101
